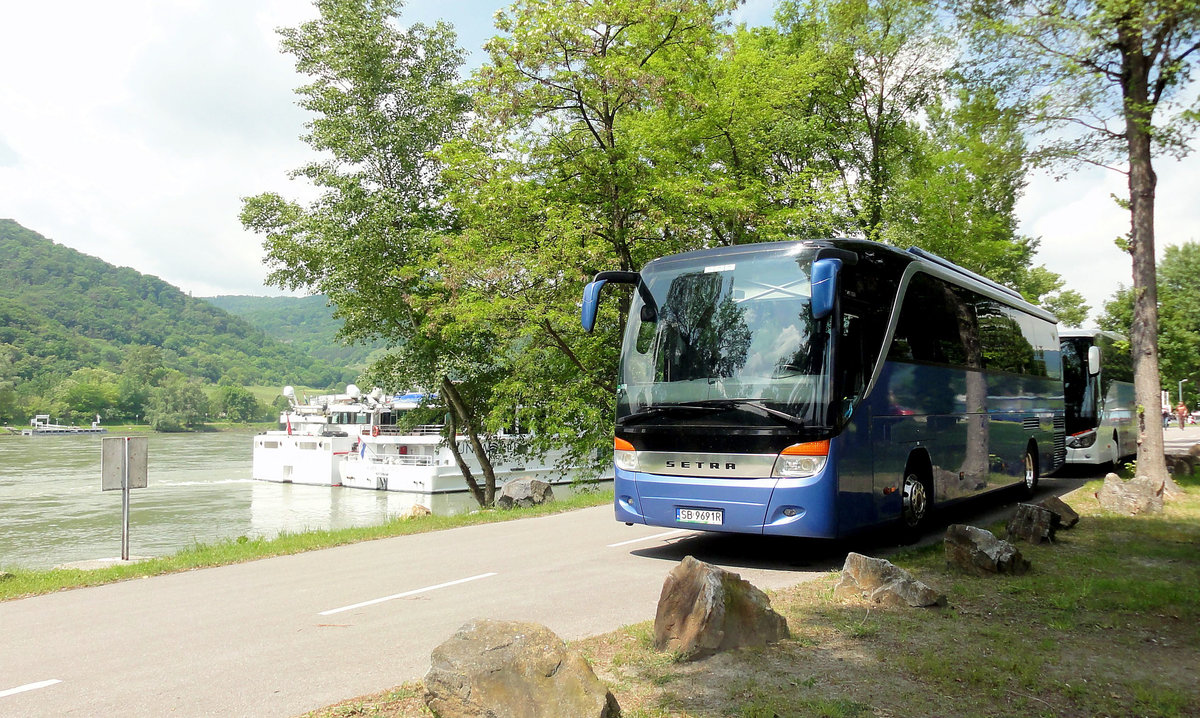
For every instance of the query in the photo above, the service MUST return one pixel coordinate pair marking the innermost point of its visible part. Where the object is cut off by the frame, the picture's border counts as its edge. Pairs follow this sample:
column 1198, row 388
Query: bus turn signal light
column 811, row 448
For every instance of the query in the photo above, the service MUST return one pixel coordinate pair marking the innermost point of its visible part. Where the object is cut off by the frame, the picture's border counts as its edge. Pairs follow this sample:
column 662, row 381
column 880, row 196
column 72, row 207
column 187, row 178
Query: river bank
column 200, row 493
column 22, row 582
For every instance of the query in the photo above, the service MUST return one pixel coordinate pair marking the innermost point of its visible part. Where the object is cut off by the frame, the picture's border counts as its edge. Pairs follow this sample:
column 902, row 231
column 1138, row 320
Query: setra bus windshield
column 738, row 337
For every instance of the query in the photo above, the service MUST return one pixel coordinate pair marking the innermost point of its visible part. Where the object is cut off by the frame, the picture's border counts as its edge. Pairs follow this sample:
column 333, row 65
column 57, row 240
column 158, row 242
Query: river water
column 52, row 510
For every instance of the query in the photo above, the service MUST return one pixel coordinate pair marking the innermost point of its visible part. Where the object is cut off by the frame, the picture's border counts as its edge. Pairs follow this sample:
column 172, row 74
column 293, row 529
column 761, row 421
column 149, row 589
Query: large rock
column 1180, row 464
column 1139, row 495
column 704, row 609
column 510, row 669
column 975, row 550
column 416, row 511
column 1032, row 524
column 1067, row 518
column 524, row 493
column 880, row 581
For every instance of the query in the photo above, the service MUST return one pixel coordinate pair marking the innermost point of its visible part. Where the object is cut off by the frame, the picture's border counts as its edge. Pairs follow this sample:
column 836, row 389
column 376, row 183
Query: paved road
column 281, row 636
column 1178, row 441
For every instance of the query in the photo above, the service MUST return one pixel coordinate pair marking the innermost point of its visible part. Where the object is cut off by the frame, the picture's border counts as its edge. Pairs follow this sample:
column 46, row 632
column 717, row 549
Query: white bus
column 1100, row 403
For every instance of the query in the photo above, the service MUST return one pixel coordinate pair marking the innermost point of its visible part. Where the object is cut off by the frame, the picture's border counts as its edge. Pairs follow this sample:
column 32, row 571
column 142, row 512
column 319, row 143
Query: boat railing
column 421, row 430
column 404, row 459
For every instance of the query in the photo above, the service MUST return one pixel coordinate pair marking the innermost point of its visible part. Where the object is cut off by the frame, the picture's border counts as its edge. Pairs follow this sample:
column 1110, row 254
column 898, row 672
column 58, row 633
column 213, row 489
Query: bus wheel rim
column 916, row 502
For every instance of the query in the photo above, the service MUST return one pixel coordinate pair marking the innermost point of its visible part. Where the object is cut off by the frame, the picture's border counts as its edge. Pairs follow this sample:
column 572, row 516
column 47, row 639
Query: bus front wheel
column 1031, row 471
column 1115, row 457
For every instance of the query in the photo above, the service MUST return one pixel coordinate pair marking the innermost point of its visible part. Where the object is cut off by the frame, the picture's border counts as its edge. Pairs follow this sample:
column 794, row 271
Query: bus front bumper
column 772, row 506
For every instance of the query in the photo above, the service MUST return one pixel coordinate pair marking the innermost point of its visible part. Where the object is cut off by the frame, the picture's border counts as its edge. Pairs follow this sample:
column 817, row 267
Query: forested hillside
column 304, row 323
column 79, row 336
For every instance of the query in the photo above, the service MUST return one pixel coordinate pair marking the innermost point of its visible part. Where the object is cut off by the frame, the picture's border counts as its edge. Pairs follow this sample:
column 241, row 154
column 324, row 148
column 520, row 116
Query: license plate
column 710, row 517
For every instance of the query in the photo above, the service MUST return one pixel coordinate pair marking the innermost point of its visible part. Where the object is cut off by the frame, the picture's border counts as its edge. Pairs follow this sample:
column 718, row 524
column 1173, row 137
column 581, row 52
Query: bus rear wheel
column 915, row 505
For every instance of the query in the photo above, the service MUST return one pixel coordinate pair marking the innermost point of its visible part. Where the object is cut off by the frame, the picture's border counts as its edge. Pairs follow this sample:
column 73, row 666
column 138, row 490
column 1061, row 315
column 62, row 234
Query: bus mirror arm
column 591, row 294
column 847, row 257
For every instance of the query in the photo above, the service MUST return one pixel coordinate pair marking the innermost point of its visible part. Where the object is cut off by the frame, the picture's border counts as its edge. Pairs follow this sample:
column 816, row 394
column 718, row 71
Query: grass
column 1107, row 622
column 20, row 583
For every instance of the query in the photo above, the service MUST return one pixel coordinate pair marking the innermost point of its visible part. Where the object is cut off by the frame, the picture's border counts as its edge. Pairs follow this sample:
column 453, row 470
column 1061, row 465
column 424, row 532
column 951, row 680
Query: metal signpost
column 123, row 467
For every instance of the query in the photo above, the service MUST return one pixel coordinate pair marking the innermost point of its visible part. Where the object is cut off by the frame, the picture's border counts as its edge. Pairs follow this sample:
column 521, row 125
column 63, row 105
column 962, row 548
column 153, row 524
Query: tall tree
column 1179, row 316
column 385, row 98
column 1102, row 75
column 893, row 56
column 559, row 178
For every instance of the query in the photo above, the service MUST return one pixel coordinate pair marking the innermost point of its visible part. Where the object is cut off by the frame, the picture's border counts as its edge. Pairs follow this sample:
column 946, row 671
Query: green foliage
column 890, row 58
column 178, row 405
column 1091, row 73
column 383, row 99
column 238, row 404
column 1100, row 80
column 1178, row 316
column 79, row 337
column 605, row 134
column 309, row 324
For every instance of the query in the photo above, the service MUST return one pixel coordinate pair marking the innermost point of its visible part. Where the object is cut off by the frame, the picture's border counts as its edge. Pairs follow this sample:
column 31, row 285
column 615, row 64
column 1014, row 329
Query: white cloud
column 1078, row 222
column 130, row 130
column 134, row 128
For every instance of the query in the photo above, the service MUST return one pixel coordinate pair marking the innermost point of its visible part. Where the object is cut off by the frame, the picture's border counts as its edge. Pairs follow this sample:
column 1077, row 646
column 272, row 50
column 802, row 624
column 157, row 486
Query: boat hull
column 299, row 458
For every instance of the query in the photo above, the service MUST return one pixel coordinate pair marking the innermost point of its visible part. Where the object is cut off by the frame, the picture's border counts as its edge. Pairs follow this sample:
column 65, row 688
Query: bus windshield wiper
column 754, row 407
column 661, row 409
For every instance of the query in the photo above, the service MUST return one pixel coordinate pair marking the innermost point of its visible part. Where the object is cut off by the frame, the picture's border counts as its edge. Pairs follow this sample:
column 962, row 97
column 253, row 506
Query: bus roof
column 931, row 263
column 1075, row 333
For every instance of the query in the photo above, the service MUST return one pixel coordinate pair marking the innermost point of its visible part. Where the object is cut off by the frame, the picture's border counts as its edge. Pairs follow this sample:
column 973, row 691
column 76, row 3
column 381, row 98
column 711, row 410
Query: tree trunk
column 1143, row 334
column 469, row 477
column 459, row 408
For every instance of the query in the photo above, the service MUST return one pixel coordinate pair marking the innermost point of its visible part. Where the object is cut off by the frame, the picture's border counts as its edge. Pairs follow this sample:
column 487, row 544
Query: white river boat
column 358, row 441
column 314, row 436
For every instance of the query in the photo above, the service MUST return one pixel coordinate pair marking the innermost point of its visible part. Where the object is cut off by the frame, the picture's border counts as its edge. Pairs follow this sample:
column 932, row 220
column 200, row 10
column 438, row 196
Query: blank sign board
column 112, row 462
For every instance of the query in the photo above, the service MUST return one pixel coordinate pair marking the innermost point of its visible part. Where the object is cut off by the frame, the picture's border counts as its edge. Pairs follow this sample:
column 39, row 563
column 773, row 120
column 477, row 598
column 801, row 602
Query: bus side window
column 931, row 326
column 853, row 364
column 645, row 337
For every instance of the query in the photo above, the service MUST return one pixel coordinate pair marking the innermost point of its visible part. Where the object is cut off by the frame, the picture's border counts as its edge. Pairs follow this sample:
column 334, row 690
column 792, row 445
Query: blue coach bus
column 816, row 388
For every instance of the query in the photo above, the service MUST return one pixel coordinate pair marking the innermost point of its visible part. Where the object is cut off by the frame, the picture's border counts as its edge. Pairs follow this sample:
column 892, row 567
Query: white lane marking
column 414, row 592
column 28, row 687
column 648, row 538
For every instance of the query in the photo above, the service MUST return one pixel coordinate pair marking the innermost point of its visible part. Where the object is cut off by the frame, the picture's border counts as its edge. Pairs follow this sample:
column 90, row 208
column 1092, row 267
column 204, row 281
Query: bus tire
column 916, row 496
column 1030, row 471
column 1115, row 457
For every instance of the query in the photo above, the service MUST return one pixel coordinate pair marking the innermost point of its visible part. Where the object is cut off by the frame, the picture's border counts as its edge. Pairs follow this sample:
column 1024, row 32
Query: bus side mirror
column 823, row 290
column 591, row 294
column 1093, row 360
column 591, row 303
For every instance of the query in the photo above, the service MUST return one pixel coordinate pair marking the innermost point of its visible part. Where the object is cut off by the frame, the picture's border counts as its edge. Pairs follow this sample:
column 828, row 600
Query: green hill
column 304, row 323
column 62, row 311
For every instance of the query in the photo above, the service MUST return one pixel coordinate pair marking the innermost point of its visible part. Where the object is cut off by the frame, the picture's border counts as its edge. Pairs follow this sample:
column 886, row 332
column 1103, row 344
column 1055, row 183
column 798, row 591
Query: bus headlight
column 1082, row 440
column 799, row 460
column 624, row 455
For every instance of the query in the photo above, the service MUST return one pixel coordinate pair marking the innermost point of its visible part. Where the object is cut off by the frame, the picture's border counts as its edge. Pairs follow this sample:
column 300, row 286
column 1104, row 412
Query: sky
column 131, row 129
